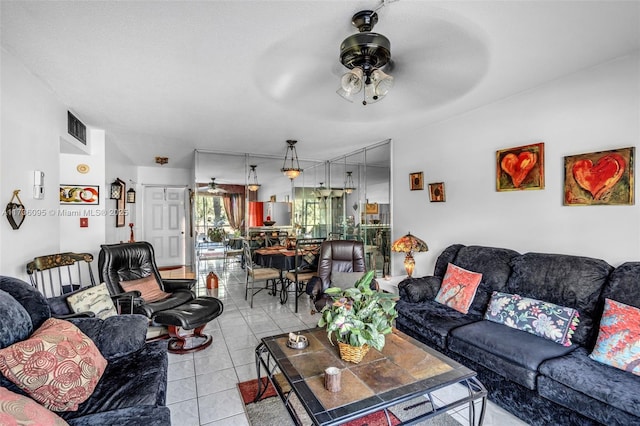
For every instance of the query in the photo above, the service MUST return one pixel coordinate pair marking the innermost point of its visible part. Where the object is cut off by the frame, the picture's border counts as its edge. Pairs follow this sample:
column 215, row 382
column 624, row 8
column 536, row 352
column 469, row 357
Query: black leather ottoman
column 187, row 322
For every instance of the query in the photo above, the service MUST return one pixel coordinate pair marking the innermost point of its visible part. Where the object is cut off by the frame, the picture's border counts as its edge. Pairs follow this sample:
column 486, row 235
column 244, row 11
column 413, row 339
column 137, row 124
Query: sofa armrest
column 417, row 290
column 173, row 284
column 115, row 336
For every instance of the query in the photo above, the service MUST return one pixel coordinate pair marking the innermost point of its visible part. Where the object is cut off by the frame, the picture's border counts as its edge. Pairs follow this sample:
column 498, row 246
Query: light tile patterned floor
column 202, row 386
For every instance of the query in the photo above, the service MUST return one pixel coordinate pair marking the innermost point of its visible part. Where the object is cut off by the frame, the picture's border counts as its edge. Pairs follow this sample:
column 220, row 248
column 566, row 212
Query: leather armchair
column 336, row 256
column 181, row 311
column 132, row 261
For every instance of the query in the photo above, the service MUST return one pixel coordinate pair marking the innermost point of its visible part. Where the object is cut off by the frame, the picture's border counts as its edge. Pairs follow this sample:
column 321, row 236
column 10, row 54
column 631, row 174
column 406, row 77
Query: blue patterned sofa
column 132, row 389
column 536, row 379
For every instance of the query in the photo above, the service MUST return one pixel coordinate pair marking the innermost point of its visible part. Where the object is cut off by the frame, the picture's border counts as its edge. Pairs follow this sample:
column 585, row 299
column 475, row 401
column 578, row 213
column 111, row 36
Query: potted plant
column 358, row 318
column 216, row 234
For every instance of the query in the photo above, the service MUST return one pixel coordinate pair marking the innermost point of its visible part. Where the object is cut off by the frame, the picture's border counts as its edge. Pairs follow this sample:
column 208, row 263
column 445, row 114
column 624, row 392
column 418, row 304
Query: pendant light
column 349, row 186
column 291, row 166
column 253, row 179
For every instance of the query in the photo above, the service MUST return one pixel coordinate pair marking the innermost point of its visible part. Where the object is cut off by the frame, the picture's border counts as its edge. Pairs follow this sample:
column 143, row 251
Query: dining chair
column 232, row 253
column 255, row 273
column 305, row 267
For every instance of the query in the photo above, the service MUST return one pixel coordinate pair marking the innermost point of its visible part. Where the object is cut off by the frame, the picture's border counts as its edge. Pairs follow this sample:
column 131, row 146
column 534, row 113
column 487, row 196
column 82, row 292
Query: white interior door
column 164, row 223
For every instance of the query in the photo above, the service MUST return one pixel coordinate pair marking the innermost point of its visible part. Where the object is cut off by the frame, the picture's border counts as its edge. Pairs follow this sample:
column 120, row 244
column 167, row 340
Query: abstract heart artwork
column 598, row 178
column 520, row 168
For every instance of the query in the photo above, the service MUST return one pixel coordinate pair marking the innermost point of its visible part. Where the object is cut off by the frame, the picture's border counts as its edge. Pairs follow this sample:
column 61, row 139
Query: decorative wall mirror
column 15, row 211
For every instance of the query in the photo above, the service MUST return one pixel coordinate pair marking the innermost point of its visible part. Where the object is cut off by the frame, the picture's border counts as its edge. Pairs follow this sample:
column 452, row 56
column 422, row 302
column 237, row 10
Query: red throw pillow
column 148, row 288
column 458, row 288
column 20, row 410
column 58, row 366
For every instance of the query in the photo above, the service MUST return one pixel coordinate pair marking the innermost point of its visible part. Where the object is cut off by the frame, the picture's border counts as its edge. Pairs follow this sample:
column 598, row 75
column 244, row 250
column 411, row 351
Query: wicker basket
column 352, row 353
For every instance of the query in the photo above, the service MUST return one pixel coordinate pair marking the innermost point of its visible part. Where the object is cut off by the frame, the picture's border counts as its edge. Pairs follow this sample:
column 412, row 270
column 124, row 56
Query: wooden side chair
column 61, row 273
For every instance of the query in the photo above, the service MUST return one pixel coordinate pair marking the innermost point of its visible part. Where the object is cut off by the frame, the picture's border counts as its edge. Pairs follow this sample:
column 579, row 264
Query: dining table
column 281, row 258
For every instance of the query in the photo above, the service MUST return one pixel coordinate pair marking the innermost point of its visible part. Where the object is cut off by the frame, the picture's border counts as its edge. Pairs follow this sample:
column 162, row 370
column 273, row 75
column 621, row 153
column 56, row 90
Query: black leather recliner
column 118, row 263
column 336, row 256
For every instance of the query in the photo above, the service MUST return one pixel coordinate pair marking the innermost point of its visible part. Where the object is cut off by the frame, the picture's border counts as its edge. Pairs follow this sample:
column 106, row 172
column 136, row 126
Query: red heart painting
column 518, row 167
column 601, row 177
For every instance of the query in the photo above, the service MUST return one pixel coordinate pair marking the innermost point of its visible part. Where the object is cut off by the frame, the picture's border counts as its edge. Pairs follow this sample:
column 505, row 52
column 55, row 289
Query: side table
column 390, row 284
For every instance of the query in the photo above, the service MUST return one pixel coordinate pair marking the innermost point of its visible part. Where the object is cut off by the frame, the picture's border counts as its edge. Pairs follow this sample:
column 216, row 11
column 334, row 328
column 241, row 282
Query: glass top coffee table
column 404, row 370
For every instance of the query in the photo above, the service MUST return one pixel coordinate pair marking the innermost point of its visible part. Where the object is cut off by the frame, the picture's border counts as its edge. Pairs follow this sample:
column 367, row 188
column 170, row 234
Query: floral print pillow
column 618, row 343
column 553, row 322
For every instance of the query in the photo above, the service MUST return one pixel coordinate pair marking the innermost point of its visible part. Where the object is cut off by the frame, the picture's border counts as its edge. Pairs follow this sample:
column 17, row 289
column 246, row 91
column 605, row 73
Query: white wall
column 72, row 236
column 592, row 110
column 32, row 122
column 118, row 165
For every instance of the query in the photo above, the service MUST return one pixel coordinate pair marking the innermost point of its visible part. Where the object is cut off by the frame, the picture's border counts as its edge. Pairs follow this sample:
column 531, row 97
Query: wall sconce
column 292, row 170
column 115, row 192
column 131, row 196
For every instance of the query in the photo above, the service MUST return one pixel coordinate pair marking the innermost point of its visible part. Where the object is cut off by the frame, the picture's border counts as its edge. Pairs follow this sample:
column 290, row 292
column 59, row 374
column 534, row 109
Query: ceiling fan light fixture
column 213, row 187
column 364, row 54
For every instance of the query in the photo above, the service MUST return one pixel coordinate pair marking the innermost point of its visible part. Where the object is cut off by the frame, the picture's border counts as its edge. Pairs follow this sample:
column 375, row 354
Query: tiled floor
column 202, row 386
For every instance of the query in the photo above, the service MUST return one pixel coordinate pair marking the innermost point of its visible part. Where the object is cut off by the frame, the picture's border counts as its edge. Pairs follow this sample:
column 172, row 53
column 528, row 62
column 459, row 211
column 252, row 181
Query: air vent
column 76, row 128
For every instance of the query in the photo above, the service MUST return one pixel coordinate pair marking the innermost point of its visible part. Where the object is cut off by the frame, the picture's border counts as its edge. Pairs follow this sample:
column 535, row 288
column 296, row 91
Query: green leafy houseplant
column 359, row 315
column 216, row 234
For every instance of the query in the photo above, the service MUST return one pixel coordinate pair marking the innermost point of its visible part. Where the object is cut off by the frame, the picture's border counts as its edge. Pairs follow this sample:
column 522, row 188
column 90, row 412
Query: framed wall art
column 520, row 168
column 436, row 192
column 79, row 194
column 416, row 181
column 599, row 178
column 371, row 208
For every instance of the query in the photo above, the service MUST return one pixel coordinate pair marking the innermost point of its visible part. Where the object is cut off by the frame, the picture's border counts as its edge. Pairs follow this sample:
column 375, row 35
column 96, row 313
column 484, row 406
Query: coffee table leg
column 475, row 387
column 259, row 349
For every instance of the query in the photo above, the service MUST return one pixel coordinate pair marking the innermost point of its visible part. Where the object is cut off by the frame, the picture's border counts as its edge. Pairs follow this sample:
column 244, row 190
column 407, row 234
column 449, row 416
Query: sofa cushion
column 458, row 288
column 20, row 410
column 31, row 299
column 58, row 365
column 514, row 354
column 431, row 320
column 94, row 299
column 148, row 287
column 543, row 319
column 578, row 382
column 138, row 379
column 618, row 343
column 115, row 336
column 16, row 322
column 494, row 265
column 419, row 289
column 622, row 285
column 571, row 281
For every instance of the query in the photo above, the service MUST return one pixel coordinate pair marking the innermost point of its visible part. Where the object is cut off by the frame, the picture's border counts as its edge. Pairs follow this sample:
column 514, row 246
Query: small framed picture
column 416, row 181
column 371, row 208
column 436, row 192
column 79, row 194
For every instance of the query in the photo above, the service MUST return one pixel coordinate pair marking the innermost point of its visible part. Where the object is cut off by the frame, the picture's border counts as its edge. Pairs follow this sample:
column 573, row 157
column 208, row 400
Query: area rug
column 270, row 411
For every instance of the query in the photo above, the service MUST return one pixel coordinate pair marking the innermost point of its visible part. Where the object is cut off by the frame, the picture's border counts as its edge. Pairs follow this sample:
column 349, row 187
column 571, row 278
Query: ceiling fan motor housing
column 365, row 49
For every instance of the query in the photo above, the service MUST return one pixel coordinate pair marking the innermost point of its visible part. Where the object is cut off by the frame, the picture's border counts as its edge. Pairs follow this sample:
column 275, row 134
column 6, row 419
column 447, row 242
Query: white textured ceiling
column 168, row 77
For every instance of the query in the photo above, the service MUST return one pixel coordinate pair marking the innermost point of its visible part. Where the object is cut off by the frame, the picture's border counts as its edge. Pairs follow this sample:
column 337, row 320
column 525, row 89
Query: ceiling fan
column 213, row 187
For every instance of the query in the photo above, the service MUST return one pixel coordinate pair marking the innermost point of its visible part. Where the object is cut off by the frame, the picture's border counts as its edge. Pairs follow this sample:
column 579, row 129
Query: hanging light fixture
column 213, row 187
column 323, row 191
column 365, row 53
column 349, row 186
column 253, row 179
column 291, row 166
